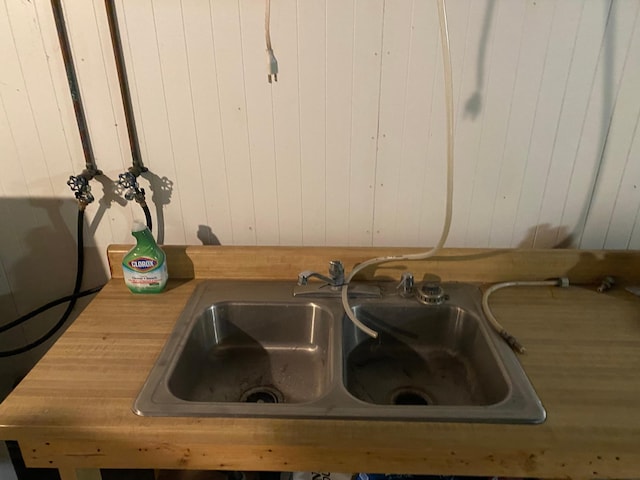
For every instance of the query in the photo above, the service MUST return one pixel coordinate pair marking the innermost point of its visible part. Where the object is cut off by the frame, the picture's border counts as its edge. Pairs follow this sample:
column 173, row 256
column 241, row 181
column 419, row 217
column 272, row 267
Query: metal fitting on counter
column 607, row 284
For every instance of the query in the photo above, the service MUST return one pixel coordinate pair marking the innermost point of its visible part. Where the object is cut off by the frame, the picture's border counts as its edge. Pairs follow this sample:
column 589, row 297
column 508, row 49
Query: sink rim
column 521, row 405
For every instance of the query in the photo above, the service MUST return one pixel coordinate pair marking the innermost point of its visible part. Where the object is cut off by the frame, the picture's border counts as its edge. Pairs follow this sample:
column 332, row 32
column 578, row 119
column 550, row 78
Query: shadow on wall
column 206, row 235
column 473, row 105
column 161, row 190
column 110, row 194
column 38, row 265
column 546, row 235
column 607, row 109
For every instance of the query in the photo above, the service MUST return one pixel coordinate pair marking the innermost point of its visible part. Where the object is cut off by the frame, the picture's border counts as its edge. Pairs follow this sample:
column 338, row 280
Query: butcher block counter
column 73, row 410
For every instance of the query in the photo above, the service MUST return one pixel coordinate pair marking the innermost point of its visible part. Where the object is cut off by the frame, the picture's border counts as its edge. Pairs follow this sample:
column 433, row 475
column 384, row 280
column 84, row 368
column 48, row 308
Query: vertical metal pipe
column 116, row 42
column 72, row 79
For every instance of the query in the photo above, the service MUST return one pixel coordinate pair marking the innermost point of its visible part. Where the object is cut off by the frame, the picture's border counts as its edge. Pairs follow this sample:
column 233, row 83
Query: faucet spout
column 303, row 277
column 335, row 278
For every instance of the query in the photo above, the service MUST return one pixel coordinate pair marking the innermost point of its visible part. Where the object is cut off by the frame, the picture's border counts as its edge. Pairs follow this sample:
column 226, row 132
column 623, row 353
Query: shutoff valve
column 79, row 184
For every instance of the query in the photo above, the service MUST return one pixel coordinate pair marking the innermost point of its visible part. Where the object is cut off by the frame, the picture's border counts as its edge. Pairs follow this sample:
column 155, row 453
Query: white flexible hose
column 448, row 88
column 510, row 339
column 267, row 24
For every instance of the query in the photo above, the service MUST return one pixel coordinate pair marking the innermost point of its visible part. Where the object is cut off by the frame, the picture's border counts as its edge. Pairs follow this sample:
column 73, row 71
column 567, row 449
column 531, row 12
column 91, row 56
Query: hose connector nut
column 607, row 284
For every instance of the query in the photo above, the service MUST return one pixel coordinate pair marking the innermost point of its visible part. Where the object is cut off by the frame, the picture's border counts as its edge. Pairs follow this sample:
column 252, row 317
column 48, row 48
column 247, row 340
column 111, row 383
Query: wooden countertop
column 74, row 407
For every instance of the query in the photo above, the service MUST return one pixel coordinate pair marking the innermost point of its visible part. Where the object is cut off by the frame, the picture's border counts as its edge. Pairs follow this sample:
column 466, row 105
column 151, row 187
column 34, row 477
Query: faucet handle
column 405, row 287
column 336, row 272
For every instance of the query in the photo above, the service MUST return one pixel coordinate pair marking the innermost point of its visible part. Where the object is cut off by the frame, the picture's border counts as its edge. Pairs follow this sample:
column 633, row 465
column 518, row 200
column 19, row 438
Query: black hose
column 72, row 298
column 46, row 307
column 147, row 216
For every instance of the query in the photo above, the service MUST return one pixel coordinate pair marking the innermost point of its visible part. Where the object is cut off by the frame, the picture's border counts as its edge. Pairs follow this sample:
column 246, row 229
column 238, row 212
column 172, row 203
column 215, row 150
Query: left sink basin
column 254, row 352
column 244, row 348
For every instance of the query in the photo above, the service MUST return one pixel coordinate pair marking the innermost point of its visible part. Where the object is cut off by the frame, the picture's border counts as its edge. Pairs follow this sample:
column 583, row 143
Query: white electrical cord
column 448, row 88
column 510, row 339
column 272, row 63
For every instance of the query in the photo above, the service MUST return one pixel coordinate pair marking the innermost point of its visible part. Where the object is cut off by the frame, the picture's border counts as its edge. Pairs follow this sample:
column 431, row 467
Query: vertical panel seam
column 597, row 173
column 460, row 104
column 377, row 149
column 222, row 136
column 28, row 99
column 275, row 160
column 166, row 109
column 635, row 131
column 404, row 115
column 425, row 174
column 533, row 123
column 481, row 136
column 353, row 79
column 246, row 117
column 621, row 181
column 555, row 137
column 326, row 83
column 111, row 99
column 300, row 162
column 275, row 163
column 326, row 63
column 603, row 149
column 193, row 116
column 506, row 133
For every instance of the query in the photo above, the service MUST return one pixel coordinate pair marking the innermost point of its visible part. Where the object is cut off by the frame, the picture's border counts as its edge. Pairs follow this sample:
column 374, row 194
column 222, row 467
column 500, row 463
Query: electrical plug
column 272, row 66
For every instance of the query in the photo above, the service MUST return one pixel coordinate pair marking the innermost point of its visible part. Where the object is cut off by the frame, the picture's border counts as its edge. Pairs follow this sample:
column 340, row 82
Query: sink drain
column 409, row 396
column 262, row 394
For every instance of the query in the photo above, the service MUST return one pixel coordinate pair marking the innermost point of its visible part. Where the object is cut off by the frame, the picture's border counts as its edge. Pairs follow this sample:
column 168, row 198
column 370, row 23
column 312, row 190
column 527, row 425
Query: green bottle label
column 144, row 266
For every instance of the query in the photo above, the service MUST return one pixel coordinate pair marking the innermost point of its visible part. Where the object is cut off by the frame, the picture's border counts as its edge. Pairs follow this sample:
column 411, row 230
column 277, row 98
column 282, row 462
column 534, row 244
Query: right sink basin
column 440, row 360
column 436, row 355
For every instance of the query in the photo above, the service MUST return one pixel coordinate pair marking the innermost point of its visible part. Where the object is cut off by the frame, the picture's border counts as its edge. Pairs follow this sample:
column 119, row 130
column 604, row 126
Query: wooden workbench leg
column 70, row 473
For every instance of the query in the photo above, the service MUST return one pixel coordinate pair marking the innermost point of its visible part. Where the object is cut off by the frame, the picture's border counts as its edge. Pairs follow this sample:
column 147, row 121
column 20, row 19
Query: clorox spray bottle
column 144, row 266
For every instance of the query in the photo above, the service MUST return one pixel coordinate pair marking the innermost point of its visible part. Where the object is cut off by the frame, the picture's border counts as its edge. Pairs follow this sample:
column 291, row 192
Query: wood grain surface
column 458, row 264
column 74, row 408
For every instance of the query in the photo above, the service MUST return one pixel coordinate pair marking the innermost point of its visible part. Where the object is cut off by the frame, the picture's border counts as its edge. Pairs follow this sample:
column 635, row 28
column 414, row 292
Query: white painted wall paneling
column 365, row 101
column 513, row 163
column 558, row 53
column 205, row 100
column 612, row 205
column 578, row 185
column 527, row 86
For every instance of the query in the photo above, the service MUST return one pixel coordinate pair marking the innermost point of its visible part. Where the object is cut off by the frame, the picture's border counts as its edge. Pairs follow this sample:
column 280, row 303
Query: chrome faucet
column 335, row 278
column 333, row 284
column 405, row 287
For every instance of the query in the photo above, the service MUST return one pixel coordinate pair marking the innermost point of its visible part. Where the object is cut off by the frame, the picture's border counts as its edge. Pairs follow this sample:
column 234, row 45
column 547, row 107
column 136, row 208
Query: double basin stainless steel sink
column 246, row 348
